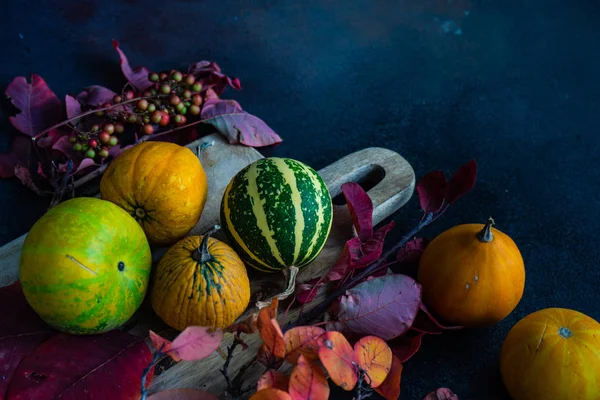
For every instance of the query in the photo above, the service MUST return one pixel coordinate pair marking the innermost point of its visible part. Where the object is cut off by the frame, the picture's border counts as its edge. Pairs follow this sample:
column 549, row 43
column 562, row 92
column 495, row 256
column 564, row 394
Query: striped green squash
column 276, row 213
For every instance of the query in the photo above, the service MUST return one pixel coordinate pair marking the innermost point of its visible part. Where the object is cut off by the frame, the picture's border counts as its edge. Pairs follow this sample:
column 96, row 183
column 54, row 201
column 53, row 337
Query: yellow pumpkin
column 552, row 353
column 472, row 275
column 162, row 185
column 200, row 281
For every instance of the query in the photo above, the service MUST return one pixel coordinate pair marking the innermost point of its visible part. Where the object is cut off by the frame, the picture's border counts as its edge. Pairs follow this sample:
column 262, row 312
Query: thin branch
column 225, row 369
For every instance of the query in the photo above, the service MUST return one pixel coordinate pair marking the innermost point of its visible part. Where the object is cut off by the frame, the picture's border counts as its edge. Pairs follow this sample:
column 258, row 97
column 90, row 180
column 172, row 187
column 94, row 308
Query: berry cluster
column 172, row 98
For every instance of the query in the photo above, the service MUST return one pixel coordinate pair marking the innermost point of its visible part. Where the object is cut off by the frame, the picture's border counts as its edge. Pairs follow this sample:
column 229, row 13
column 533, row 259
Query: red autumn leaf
column 385, row 306
column 426, row 323
column 407, row 345
column 375, row 357
column 361, row 209
column 390, row 388
column 306, row 292
column 302, row 340
column 273, row 379
column 19, row 153
column 209, row 73
column 308, row 381
column 73, row 107
column 441, row 394
column 182, row 394
column 431, row 189
column 237, row 125
column 95, row 96
column 338, row 358
column 39, row 106
column 461, row 182
column 138, row 77
column 412, row 250
column 79, row 367
column 21, row 331
column 163, row 345
column 270, row 331
column 271, row 394
column 24, row 176
column 195, row 343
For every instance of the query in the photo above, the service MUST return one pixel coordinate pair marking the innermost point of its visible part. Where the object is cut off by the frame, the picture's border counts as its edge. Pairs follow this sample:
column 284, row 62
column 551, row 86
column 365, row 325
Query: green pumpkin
column 85, row 266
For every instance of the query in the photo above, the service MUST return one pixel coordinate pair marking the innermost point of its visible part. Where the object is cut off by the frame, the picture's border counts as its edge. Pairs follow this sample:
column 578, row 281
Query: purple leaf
column 385, row 307
column 431, row 189
column 73, row 107
column 426, row 323
column 26, row 179
column 371, row 250
column 51, row 137
column 407, row 345
column 412, row 250
column 209, row 73
column 85, row 164
column 39, row 106
column 237, row 125
column 138, row 77
column 461, row 182
column 63, row 146
column 441, row 394
column 95, row 96
column 361, row 209
column 19, row 152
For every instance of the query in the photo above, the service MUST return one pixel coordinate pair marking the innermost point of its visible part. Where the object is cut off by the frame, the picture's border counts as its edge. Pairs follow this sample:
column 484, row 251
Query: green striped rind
column 276, row 212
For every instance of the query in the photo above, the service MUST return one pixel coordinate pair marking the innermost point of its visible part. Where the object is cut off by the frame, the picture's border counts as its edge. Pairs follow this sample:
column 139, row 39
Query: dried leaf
column 302, row 340
column 182, row 394
column 79, row 367
column 196, row 343
column 385, row 306
column 271, row 394
column 39, row 106
column 412, row 250
column 375, row 357
column 308, row 381
column 426, row 323
column 138, row 77
column 273, row 379
column 163, row 345
column 407, row 345
column 461, row 182
column 24, row 176
column 361, row 209
column 209, row 73
column 270, row 331
column 19, row 153
column 338, row 358
column 248, row 325
column 441, row 394
column 73, row 107
column 390, row 388
column 21, row 331
column 95, row 96
column 431, row 189
column 237, row 125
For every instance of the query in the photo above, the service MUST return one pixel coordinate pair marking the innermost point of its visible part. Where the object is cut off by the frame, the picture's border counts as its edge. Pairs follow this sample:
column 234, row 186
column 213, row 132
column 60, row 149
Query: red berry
column 197, row 87
column 93, row 143
column 194, row 109
column 142, row 104
column 119, row 127
column 174, row 100
column 197, row 99
column 177, row 76
column 163, row 76
column 190, row 79
column 113, row 141
column 164, row 120
column 104, row 137
column 117, row 99
column 151, row 107
column 146, row 93
column 153, row 77
column 77, row 147
column 179, row 119
column 165, row 89
column 72, row 138
column 187, row 94
column 147, row 129
column 95, row 128
column 103, row 153
column 90, row 153
column 155, row 117
column 110, row 128
column 129, row 95
column 106, row 105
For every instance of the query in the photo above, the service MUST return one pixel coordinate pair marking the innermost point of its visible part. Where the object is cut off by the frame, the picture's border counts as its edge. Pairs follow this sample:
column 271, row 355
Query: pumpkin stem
column 485, row 235
column 201, row 254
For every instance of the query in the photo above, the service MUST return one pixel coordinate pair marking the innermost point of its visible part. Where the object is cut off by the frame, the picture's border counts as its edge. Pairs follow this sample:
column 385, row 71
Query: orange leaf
column 338, row 358
column 270, row 331
column 164, row 345
column 375, row 357
column 302, row 340
column 308, row 381
column 390, row 388
column 271, row 394
column 273, row 379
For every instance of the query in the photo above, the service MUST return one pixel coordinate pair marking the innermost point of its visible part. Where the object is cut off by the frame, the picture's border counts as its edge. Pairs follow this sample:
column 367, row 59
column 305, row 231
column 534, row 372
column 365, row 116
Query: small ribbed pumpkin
column 200, row 281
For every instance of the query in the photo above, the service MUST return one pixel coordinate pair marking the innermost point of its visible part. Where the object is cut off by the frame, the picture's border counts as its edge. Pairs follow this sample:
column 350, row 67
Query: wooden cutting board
column 394, row 182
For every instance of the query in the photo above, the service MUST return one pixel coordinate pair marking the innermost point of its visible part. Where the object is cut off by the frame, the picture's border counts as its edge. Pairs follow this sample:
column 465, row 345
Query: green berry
column 103, row 153
column 99, row 113
column 110, row 128
column 151, row 107
column 174, row 100
column 177, row 76
column 197, row 87
column 146, row 119
column 165, row 88
column 84, row 147
column 190, row 79
column 153, row 77
column 77, row 147
column 132, row 119
column 194, row 109
column 197, row 99
column 104, row 137
column 119, row 127
column 179, row 119
column 153, row 91
column 113, row 141
column 95, row 128
column 180, row 107
column 147, row 129
column 90, row 153
column 72, row 138
column 142, row 104
column 155, row 117
column 187, row 94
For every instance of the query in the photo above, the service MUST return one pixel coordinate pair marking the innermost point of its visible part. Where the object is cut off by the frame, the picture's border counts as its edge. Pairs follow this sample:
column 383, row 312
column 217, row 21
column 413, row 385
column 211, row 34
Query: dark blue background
column 513, row 84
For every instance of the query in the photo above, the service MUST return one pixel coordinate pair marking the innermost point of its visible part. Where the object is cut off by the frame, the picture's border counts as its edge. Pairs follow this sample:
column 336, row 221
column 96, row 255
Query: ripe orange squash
column 200, row 281
column 472, row 275
column 552, row 353
column 162, row 185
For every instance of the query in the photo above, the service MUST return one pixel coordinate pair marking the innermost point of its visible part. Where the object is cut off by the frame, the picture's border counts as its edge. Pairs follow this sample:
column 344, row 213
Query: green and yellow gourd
column 276, row 213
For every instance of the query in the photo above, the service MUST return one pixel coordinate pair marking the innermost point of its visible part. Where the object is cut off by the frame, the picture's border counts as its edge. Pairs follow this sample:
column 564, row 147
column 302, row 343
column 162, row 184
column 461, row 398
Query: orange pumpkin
column 162, row 185
column 200, row 281
column 552, row 353
column 472, row 275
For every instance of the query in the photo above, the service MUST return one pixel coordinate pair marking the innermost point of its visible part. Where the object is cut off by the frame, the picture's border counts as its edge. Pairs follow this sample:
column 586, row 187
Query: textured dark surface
column 513, row 84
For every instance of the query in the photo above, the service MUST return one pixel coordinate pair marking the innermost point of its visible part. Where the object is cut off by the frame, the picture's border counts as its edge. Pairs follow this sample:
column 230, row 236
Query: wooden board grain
column 221, row 162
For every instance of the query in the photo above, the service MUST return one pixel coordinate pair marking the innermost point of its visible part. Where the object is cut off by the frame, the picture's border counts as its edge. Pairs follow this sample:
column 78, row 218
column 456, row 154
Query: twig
column 225, row 369
column 363, row 388
column 157, row 356
column 322, row 307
